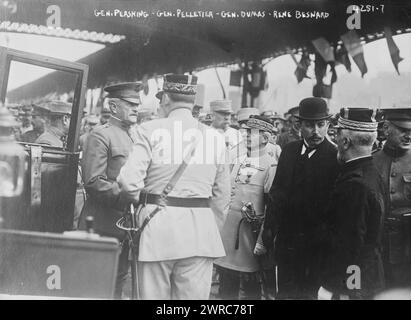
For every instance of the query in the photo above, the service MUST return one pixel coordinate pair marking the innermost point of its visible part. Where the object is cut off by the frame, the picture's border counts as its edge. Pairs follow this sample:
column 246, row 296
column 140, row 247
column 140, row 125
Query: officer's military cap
column 93, row 119
column 56, row 108
column 178, row 83
column 261, row 123
column 272, row 115
column 400, row 117
column 293, row 111
column 39, row 110
column 128, row 91
column 223, row 106
column 244, row 113
column 357, row 119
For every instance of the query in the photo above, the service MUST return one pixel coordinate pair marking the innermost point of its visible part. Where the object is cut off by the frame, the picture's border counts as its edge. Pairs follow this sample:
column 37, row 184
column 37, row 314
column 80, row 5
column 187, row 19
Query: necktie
column 307, row 152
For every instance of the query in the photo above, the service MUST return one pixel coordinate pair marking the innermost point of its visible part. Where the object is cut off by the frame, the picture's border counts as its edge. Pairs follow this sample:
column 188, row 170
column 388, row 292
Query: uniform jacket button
column 393, row 174
column 392, row 190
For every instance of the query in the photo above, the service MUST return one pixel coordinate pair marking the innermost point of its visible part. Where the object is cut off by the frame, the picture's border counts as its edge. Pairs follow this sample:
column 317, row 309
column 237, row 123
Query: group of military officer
column 295, row 217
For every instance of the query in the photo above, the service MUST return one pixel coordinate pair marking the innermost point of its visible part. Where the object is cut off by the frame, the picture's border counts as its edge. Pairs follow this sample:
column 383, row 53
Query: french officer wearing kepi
column 251, row 179
column 107, row 149
column 178, row 175
column 394, row 164
column 355, row 215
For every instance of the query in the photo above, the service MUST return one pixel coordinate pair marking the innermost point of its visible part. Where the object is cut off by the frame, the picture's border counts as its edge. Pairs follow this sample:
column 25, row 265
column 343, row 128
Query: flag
column 320, row 68
column 302, row 67
column 324, row 49
column 354, row 47
column 341, row 57
column 235, row 78
column 392, row 47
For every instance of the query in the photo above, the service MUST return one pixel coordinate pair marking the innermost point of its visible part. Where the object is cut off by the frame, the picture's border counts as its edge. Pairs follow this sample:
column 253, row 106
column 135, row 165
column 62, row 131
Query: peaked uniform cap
column 128, row 91
column 58, row 108
column 244, row 114
column 401, row 117
column 357, row 119
column 223, row 106
column 178, row 83
column 261, row 123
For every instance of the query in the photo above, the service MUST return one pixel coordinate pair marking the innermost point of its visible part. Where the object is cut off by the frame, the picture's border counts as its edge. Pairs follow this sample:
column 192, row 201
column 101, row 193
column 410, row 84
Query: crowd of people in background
column 321, row 196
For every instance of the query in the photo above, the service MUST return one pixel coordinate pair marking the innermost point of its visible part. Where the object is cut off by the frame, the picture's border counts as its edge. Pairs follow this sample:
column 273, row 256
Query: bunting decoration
column 354, row 47
column 341, row 57
column 324, row 49
column 302, row 67
column 392, row 47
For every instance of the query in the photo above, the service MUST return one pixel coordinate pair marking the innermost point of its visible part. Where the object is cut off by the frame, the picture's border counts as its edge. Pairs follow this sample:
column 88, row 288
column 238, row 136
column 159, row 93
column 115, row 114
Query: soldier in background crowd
column 353, row 268
column 221, row 112
column 57, row 124
column 197, row 110
column 292, row 132
column 251, row 179
column 90, row 123
column 394, row 164
column 306, row 173
column 38, row 122
column 105, row 115
column 107, row 149
column 179, row 244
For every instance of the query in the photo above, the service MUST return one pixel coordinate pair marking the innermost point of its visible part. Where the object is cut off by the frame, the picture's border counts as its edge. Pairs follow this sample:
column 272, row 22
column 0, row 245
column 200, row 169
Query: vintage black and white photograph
column 210, row 150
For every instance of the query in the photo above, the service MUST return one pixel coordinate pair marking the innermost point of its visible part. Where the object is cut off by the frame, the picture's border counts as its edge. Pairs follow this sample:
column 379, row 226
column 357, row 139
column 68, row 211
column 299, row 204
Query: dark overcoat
column 300, row 192
column 357, row 209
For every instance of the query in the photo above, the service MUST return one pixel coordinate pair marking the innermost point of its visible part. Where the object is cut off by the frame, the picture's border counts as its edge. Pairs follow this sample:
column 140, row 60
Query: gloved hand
column 259, row 249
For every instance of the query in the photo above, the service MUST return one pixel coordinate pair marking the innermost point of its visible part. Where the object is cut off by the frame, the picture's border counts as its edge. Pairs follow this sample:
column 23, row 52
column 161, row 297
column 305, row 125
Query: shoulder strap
column 180, row 170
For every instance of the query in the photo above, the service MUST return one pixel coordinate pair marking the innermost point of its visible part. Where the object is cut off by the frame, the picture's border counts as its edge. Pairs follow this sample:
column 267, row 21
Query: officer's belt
column 151, row 198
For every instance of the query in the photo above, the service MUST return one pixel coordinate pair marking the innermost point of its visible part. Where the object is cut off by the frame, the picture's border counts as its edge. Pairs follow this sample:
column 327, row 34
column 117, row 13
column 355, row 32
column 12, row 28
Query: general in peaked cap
column 128, row 91
column 222, row 106
column 260, row 123
column 401, row 117
column 313, row 109
column 357, row 119
column 179, row 83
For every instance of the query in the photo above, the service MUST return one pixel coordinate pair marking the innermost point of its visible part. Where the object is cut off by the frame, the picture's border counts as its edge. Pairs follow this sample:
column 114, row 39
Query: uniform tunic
column 395, row 168
column 50, row 138
column 251, row 178
column 356, row 213
column 179, row 232
column 107, row 150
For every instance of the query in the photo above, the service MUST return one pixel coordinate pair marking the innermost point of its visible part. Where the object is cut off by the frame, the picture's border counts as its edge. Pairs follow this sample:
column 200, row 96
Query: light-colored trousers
column 181, row 279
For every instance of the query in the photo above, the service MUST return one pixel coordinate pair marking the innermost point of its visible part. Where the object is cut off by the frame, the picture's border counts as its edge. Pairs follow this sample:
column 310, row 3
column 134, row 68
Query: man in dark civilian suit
column 354, row 268
column 306, row 173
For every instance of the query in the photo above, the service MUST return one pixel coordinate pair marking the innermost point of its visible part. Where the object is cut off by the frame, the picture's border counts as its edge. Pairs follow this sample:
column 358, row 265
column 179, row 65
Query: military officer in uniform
column 306, row 173
column 251, row 179
column 394, row 164
column 353, row 267
column 57, row 124
column 179, row 244
column 293, row 132
column 221, row 112
column 107, row 149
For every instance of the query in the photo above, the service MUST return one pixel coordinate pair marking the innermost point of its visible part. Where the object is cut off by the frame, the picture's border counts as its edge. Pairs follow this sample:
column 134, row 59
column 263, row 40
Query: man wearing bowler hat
column 353, row 268
column 394, row 164
column 182, row 215
column 107, row 149
column 298, row 198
